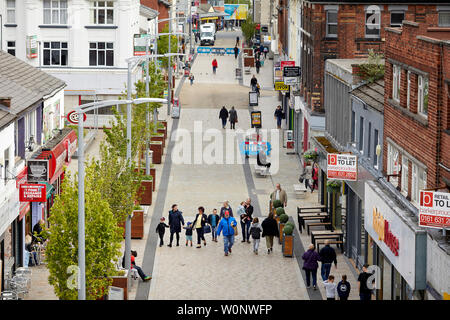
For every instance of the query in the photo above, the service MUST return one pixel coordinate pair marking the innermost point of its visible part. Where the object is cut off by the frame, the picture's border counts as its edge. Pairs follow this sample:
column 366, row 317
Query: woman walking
column 270, row 230
column 310, row 266
column 214, row 66
column 245, row 222
column 199, row 222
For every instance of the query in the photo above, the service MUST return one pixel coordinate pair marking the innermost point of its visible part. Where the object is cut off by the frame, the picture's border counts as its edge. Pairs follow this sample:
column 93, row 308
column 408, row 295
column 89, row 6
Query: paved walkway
column 190, row 273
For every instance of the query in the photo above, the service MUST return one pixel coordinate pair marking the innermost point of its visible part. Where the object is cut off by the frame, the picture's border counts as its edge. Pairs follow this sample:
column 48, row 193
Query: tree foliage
column 248, row 28
column 373, row 70
column 102, row 234
column 163, row 46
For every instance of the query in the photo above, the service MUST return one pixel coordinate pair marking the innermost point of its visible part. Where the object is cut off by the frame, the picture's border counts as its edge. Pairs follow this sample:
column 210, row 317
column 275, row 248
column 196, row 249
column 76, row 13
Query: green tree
column 374, row 68
column 248, row 28
column 163, row 46
column 102, row 239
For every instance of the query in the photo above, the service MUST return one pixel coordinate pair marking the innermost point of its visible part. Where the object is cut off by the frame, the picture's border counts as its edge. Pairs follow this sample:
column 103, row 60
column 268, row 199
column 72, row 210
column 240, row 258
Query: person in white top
column 330, row 288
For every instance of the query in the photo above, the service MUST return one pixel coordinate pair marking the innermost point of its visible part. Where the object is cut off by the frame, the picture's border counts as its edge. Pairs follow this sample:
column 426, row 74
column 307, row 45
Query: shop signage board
column 32, row 192
column 434, row 211
column 73, row 117
column 287, row 64
column 140, row 42
column 277, row 74
column 32, row 47
column 401, row 240
column 256, row 119
column 280, row 86
column 291, row 75
column 342, row 166
column 37, row 170
column 253, row 98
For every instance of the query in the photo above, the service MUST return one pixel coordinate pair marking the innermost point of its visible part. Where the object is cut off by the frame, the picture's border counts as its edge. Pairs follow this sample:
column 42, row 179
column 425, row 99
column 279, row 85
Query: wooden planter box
column 249, row 62
column 153, row 174
column 280, row 228
column 164, row 122
column 156, row 147
column 288, row 246
column 158, row 137
column 121, row 282
column 248, row 52
column 145, row 192
column 137, row 225
column 162, row 131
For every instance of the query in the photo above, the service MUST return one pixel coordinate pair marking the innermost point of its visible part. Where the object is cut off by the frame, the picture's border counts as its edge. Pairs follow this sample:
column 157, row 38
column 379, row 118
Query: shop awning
column 49, row 189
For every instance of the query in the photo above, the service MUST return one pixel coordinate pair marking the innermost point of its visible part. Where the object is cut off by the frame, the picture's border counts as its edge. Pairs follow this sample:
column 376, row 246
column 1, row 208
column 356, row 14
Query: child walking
column 191, row 78
column 255, row 231
column 188, row 233
column 330, row 288
column 161, row 229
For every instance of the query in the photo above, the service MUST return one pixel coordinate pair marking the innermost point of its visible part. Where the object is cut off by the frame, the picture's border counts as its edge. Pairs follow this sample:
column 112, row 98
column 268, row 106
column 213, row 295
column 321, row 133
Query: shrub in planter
column 288, row 241
column 284, row 218
column 289, row 224
column 334, row 186
column 277, row 204
column 310, row 155
column 280, row 211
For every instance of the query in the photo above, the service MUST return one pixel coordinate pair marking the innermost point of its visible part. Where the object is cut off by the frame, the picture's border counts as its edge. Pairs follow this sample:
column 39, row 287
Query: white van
column 208, row 27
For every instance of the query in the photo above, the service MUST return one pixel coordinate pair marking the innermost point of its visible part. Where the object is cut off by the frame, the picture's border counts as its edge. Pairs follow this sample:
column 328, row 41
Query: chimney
column 6, row 102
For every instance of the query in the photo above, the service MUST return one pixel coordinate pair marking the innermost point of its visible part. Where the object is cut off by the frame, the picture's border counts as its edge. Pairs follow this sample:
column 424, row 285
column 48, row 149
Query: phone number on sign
column 428, row 220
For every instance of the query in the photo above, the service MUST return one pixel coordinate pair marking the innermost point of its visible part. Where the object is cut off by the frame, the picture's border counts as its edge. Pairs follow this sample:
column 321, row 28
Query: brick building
column 416, row 128
column 331, row 30
column 162, row 6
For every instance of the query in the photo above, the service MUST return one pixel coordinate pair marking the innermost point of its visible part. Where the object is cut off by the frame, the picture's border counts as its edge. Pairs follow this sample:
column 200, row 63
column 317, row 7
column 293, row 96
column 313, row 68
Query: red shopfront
column 47, row 166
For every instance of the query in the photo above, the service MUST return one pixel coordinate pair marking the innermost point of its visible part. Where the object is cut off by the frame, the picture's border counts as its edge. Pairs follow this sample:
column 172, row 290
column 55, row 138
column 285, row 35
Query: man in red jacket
column 214, row 65
column 139, row 270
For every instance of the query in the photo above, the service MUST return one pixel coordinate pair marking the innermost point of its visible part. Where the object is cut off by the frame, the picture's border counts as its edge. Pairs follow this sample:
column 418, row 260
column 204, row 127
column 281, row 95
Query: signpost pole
column 147, row 113
column 169, row 96
column 128, row 220
column 81, row 239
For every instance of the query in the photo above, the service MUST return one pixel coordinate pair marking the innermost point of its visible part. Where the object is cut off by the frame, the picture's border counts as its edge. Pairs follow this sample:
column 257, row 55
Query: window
column 422, row 95
column 11, row 47
column 408, row 90
column 332, row 27
column 101, row 54
column 396, row 18
column 392, row 164
column 419, row 182
column 55, row 11
column 373, row 23
column 361, row 134
column 102, row 12
column 444, row 18
column 405, row 173
column 55, row 53
column 375, row 143
column 353, row 126
column 11, row 11
column 397, row 71
column 369, row 138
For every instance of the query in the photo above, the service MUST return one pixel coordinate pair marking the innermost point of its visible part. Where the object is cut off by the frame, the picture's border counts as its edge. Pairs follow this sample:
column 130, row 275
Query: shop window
column 422, row 95
column 405, row 173
column 396, row 18
column 444, row 18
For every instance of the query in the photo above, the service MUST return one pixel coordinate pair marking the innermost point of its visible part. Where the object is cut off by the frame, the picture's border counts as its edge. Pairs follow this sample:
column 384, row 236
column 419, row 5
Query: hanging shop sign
column 73, row 117
column 32, row 47
column 37, row 170
column 140, row 43
column 434, row 211
column 32, row 192
column 342, row 166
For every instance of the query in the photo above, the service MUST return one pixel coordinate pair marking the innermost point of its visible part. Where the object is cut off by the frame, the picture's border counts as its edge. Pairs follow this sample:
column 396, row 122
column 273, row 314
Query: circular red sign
column 72, row 117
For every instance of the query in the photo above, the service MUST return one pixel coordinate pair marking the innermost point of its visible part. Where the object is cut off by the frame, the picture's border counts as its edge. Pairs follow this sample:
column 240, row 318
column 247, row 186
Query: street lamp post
column 80, row 110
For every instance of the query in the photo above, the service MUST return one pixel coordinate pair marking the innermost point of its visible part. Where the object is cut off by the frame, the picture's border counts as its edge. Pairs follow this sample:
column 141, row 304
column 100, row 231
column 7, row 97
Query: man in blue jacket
column 226, row 224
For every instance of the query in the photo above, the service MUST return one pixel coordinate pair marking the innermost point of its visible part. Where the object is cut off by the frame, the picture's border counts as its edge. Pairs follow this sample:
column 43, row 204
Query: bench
column 317, row 224
column 339, row 243
column 304, row 219
column 262, row 171
column 300, row 191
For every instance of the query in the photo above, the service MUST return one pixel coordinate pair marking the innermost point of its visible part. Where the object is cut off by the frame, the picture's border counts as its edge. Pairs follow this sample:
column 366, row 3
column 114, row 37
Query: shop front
column 47, row 167
column 396, row 246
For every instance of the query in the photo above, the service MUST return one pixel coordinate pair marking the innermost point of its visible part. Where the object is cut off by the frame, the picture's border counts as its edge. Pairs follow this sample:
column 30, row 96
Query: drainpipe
column 1, row 32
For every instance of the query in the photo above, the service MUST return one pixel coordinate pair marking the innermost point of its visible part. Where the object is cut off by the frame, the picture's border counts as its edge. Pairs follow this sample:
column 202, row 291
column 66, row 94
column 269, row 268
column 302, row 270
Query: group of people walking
column 231, row 115
column 310, row 176
column 223, row 223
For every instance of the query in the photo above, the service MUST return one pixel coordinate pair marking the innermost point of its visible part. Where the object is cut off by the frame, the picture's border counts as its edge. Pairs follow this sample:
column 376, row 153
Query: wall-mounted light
column 378, row 150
